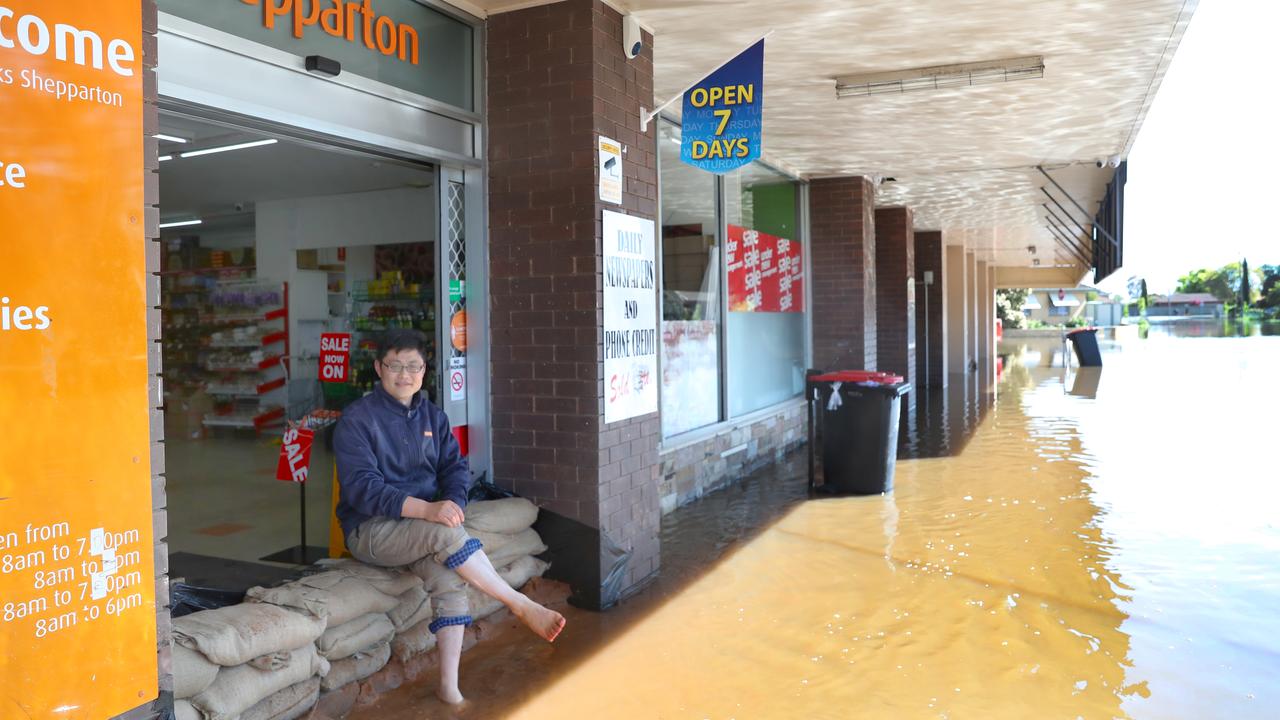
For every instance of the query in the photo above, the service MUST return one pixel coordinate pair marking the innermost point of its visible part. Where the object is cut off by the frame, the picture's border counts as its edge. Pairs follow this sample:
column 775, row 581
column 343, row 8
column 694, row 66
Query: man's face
column 401, row 372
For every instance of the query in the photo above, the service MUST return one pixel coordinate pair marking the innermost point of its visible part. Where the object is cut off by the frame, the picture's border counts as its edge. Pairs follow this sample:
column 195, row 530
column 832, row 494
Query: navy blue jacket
column 387, row 452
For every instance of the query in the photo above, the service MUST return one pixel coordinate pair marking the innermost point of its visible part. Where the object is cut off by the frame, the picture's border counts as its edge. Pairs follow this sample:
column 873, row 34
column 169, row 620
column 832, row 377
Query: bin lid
column 1083, row 329
column 858, row 376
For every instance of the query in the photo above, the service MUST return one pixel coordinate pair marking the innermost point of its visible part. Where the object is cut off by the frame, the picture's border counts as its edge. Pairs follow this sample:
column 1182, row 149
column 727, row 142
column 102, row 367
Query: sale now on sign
column 335, row 357
column 295, row 455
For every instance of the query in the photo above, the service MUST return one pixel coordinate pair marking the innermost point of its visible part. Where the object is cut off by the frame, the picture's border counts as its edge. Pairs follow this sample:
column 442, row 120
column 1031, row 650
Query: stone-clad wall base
column 693, row 470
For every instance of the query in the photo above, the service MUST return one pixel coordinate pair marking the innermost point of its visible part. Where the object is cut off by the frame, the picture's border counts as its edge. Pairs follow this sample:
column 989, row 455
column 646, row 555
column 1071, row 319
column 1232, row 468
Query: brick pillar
column 557, row 81
column 895, row 292
column 842, row 247
column 931, row 311
column 957, row 304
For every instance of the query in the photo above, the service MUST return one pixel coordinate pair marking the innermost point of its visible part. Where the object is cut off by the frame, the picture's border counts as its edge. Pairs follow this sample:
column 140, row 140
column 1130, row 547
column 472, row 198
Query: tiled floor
column 224, row 499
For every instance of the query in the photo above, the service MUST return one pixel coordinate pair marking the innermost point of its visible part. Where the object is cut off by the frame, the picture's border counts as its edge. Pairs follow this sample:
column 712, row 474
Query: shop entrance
column 268, row 242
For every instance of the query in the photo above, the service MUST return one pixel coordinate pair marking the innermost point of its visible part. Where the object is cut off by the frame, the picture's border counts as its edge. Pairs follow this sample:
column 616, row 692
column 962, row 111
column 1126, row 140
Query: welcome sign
column 722, row 117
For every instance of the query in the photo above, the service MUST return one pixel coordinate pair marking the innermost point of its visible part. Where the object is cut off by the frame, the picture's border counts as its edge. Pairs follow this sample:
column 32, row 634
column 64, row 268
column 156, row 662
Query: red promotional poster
column 335, row 357
column 766, row 273
column 295, row 455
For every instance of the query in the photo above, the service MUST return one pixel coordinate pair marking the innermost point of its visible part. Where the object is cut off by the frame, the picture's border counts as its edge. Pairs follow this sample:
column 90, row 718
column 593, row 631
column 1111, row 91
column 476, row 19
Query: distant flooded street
column 1105, row 545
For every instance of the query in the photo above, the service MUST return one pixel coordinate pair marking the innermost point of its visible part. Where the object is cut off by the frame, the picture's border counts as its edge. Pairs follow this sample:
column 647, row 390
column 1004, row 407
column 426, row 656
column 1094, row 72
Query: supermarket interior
column 267, row 242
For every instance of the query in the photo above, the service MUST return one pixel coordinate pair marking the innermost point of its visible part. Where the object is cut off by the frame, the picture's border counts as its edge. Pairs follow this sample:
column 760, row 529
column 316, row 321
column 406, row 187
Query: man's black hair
column 402, row 339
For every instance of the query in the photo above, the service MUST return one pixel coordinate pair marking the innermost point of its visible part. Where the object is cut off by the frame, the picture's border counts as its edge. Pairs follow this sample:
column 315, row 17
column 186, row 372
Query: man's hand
column 445, row 512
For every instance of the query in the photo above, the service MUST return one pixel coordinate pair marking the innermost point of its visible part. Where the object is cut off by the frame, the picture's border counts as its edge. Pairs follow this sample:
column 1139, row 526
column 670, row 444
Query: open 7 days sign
column 630, row 318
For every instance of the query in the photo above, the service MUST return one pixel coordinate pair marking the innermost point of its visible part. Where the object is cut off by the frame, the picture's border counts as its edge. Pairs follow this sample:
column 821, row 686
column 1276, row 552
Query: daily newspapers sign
column 630, row 317
column 722, row 117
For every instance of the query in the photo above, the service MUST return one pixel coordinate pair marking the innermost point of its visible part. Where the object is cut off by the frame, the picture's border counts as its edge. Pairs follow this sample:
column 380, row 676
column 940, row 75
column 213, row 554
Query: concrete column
column 984, row 319
column 971, row 308
column 842, row 245
column 931, row 311
column 557, row 80
column 957, row 292
column 991, row 318
column 895, row 292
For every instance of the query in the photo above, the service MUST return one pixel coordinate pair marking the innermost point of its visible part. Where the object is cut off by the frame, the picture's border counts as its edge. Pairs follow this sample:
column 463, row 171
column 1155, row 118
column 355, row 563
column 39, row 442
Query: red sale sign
column 295, row 455
column 335, row 357
column 766, row 272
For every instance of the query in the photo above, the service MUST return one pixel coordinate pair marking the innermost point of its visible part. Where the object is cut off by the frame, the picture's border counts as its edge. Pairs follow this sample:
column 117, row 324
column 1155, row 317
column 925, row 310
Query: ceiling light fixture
column 227, row 148
column 180, row 223
column 162, row 158
column 169, row 138
column 939, row 77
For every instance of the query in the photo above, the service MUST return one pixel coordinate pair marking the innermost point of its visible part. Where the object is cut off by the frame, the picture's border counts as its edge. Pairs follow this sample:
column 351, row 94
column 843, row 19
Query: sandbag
column 414, row 641
column 506, row 516
column 335, row 596
column 357, row 667
column 366, row 631
column 239, row 688
column 236, row 634
column 414, row 607
column 502, row 549
column 390, row 581
column 183, row 710
column 192, row 671
column 274, row 661
column 289, row 704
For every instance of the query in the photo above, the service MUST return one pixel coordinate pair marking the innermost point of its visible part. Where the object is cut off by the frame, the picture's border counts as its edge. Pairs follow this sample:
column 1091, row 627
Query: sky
column 1203, row 172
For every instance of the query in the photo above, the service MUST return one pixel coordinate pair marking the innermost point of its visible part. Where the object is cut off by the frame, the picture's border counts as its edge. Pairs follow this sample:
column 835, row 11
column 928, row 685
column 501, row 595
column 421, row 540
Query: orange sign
column 351, row 20
column 77, row 576
column 458, row 331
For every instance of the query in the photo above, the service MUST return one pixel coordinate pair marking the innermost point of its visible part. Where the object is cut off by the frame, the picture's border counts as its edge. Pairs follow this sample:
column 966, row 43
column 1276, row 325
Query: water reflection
column 938, row 422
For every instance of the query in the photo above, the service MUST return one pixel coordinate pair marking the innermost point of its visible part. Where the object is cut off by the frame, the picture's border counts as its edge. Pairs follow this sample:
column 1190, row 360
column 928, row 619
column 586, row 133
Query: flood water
column 1104, row 545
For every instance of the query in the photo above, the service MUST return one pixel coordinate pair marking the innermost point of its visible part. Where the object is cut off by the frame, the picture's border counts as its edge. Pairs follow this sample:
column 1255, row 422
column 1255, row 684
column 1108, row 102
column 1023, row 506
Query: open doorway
column 268, row 242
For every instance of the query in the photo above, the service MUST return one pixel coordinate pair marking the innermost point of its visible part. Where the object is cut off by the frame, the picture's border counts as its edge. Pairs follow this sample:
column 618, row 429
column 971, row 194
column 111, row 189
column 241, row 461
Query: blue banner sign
column 723, row 114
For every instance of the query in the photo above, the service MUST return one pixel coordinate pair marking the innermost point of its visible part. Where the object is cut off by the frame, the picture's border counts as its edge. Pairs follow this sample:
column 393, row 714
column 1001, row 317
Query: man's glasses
column 396, row 368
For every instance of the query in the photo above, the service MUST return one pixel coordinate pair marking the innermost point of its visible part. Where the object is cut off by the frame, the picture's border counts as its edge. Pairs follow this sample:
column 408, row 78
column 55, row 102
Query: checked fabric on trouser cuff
column 414, row 544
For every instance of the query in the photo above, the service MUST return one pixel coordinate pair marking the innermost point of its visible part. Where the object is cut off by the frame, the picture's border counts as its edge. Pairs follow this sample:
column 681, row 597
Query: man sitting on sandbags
column 404, row 485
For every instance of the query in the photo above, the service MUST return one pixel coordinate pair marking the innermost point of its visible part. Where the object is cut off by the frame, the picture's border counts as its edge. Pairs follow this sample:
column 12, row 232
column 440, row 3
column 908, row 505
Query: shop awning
column 1066, row 300
column 1031, row 303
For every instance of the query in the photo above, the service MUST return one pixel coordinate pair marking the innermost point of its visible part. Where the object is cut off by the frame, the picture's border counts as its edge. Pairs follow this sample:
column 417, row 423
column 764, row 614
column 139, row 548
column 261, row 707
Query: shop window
column 691, row 368
column 766, row 277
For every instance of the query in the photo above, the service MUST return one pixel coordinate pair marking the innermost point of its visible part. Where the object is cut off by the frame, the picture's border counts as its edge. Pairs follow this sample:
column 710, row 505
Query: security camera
column 239, row 207
column 1101, row 162
column 632, row 41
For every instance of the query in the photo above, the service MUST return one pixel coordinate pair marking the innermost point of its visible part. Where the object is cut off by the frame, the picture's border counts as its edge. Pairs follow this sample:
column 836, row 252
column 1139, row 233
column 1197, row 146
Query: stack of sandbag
column 249, row 661
column 363, row 608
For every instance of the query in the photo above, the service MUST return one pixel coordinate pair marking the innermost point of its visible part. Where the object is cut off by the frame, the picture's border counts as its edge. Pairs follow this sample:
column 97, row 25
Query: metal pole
column 1064, row 240
column 1073, row 202
column 302, row 509
column 1065, row 232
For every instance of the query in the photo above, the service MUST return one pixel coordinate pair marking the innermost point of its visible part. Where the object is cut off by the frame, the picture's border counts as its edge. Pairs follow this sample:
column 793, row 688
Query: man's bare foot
column 544, row 623
column 450, row 696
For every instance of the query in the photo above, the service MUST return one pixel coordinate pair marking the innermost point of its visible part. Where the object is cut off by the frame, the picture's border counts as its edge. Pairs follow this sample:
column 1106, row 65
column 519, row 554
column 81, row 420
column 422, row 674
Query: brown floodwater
column 1104, row 545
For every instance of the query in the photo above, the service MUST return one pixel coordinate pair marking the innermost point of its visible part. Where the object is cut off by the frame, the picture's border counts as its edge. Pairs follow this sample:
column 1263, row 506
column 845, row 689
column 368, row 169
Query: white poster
column 630, row 318
column 610, row 170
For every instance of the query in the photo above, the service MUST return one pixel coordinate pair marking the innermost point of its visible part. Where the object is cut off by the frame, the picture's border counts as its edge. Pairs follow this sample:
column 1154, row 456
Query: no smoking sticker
column 458, row 384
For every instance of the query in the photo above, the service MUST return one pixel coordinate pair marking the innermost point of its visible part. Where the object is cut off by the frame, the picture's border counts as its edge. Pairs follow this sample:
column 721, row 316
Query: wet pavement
column 1097, row 545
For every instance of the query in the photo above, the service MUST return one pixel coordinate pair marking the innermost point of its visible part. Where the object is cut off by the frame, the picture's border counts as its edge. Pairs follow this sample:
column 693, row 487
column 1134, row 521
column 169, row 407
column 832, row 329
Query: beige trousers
column 412, row 543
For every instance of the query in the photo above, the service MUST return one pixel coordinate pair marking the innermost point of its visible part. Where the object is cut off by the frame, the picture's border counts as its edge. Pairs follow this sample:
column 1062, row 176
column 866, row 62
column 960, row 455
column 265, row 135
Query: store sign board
column 77, row 576
column 335, row 357
column 399, row 42
column 723, row 115
column 295, row 455
column 766, row 272
column 630, row 318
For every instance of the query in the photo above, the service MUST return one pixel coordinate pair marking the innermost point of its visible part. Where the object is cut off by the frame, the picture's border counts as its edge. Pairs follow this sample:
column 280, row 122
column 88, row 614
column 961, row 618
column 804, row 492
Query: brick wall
column 558, row 79
column 895, row 294
column 692, row 470
column 931, row 330
column 842, row 247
